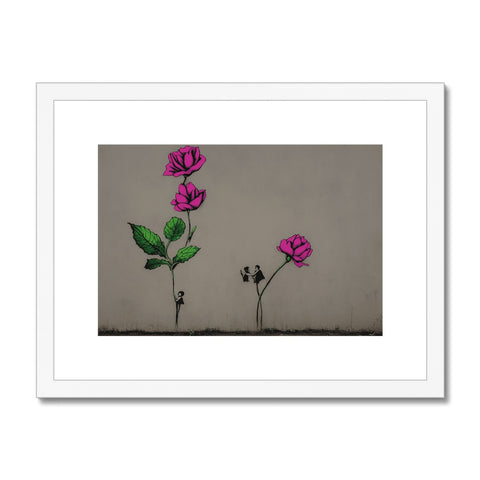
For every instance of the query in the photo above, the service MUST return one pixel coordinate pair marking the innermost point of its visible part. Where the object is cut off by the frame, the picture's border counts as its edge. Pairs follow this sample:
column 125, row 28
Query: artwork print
column 240, row 239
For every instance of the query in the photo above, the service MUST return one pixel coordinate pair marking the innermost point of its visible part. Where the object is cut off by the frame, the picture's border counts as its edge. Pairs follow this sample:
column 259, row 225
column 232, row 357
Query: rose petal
column 181, row 198
column 188, row 160
column 196, row 202
column 303, row 255
column 297, row 241
column 197, row 166
column 301, row 249
column 182, row 207
column 169, row 170
column 196, row 154
column 182, row 190
column 176, row 159
column 192, row 190
column 286, row 247
column 300, row 264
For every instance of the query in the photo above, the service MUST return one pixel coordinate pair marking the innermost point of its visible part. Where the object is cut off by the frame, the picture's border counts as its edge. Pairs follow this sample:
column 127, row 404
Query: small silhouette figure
column 258, row 274
column 179, row 302
column 245, row 274
column 257, row 277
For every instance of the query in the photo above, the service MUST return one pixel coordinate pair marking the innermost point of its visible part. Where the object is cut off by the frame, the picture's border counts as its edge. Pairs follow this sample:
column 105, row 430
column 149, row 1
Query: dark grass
column 268, row 332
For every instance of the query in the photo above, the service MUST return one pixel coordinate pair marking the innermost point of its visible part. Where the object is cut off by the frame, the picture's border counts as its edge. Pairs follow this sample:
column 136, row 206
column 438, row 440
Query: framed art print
column 240, row 240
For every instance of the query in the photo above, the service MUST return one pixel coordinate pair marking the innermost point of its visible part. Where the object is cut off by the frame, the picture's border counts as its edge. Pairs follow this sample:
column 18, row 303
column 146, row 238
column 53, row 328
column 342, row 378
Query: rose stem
column 265, row 287
column 189, row 228
column 261, row 306
column 174, row 299
column 173, row 286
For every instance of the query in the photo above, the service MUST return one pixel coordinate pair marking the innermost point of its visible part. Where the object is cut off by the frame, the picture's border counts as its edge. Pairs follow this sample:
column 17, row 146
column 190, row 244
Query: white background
column 399, row 126
column 250, row 41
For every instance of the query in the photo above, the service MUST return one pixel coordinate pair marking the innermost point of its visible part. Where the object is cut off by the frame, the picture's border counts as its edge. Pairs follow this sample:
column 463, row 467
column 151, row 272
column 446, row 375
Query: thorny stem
column 265, row 287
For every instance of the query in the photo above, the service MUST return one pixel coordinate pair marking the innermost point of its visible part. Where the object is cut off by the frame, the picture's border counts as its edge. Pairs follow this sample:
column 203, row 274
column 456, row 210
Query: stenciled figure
column 245, row 273
column 257, row 277
column 258, row 274
column 179, row 301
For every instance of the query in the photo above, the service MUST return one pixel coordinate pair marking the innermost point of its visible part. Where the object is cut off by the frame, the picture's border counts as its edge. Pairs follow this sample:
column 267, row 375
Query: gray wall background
column 256, row 195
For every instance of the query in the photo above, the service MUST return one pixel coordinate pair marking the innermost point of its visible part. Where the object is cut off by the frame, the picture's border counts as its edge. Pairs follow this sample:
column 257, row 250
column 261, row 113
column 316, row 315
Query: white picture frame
column 406, row 361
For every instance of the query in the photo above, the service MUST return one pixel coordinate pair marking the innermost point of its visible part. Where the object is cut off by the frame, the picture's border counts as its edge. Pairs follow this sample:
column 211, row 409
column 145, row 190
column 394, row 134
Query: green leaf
column 147, row 240
column 153, row 263
column 185, row 254
column 174, row 229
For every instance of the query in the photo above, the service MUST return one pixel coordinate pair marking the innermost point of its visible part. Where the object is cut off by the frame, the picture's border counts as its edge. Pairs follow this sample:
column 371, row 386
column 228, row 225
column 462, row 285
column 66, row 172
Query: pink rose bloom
column 296, row 247
column 189, row 197
column 184, row 161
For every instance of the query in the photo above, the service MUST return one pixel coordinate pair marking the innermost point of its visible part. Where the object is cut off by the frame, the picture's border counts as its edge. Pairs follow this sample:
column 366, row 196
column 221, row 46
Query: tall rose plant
column 182, row 162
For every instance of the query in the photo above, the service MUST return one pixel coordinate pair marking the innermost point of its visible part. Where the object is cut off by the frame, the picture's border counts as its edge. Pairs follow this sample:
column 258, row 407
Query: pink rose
column 184, row 161
column 297, row 248
column 189, row 197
